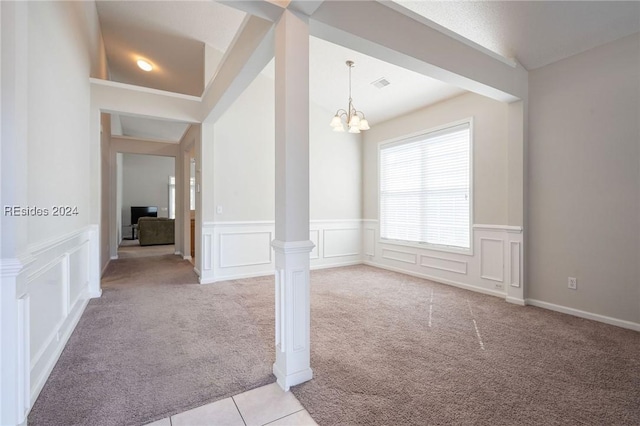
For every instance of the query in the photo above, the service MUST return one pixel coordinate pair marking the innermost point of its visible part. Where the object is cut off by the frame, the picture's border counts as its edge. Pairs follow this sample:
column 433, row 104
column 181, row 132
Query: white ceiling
column 173, row 35
column 149, row 128
column 536, row 33
column 329, row 83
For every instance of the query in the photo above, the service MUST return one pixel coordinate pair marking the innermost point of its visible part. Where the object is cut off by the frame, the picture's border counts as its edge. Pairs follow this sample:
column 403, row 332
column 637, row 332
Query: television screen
column 138, row 212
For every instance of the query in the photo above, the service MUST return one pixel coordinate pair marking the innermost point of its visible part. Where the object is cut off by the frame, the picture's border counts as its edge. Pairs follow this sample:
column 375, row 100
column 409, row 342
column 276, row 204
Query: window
column 172, row 195
column 425, row 188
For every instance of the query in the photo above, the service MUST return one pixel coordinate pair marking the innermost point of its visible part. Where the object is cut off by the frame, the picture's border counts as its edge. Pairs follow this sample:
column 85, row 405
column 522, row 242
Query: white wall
column 51, row 49
column 237, row 242
column 105, row 226
column 489, row 151
column 245, row 169
column 58, row 114
column 145, row 182
column 584, row 181
column 335, row 168
column 244, row 156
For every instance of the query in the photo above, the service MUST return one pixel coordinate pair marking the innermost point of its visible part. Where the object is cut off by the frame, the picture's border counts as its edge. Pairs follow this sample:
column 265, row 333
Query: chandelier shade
column 350, row 118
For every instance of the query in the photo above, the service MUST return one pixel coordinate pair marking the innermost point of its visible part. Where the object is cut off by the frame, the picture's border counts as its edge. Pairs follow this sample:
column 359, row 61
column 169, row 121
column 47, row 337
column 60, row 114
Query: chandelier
column 350, row 117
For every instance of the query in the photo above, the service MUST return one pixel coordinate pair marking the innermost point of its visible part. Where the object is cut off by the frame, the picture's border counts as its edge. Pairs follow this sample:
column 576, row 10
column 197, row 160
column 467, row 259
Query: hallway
column 155, row 344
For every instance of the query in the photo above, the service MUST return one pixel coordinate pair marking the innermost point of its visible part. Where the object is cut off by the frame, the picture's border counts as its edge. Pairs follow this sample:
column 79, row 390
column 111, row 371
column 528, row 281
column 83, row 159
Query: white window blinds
column 425, row 188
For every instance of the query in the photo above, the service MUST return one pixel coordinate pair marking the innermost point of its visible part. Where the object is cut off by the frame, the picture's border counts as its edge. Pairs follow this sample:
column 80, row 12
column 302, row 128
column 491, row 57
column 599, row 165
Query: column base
column 285, row 382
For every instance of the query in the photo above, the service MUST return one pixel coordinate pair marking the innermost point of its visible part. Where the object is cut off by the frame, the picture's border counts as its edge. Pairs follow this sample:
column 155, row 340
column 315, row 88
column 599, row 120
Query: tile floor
column 268, row 405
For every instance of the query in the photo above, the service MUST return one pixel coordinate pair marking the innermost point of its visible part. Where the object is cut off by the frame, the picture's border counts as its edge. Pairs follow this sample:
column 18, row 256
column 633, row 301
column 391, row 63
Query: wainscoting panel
column 443, row 264
column 314, row 237
column 243, row 249
column 483, row 268
column 492, row 259
column 399, row 256
column 514, row 264
column 369, row 241
column 78, row 272
column 207, row 252
column 47, row 297
column 341, row 242
column 51, row 289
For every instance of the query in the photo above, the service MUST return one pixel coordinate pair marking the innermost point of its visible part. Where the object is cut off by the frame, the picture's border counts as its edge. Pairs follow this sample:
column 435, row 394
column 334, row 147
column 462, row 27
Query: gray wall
column 145, row 182
column 584, row 181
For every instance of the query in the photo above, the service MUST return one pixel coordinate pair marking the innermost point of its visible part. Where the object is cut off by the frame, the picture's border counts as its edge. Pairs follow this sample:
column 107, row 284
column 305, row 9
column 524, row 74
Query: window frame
column 407, row 139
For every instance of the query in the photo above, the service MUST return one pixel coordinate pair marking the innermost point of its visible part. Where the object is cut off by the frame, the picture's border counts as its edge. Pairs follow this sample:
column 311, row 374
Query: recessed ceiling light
column 144, row 65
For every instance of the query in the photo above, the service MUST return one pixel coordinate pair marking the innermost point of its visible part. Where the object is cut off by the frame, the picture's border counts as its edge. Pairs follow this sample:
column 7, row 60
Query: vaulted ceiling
column 187, row 40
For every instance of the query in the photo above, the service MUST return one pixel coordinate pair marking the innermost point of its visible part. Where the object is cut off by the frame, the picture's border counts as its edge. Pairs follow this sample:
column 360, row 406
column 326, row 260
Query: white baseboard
column 336, row 265
column 583, row 314
column 105, row 268
column 114, row 257
column 186, row 258
column 515, row 301
column 242, row 276
column 439, row 280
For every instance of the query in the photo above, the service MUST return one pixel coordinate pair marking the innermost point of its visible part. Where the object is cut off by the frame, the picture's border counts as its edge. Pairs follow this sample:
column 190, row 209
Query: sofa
column 155, row 231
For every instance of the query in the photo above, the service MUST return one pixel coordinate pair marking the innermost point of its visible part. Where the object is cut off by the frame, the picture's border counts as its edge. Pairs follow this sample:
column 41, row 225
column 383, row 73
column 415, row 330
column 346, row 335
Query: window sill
column 430, row 247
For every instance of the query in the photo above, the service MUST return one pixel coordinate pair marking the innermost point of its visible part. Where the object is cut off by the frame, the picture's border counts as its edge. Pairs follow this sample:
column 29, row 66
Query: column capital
column 291, row 247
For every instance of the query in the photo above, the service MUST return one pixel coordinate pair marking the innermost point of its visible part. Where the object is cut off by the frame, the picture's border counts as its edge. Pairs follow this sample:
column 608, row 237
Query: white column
column 292, row 245
column 515, row 201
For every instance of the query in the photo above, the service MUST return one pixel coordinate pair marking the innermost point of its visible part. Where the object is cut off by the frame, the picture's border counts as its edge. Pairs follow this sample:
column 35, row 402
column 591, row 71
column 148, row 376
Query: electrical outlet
column 573, row 283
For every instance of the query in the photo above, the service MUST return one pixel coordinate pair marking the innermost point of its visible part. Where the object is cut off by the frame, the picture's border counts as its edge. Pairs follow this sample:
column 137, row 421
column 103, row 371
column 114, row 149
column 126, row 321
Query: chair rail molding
column 42, row 298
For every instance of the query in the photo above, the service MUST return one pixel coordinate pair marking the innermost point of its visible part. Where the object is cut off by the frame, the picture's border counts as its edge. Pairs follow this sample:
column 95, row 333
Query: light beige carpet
column 390, row 349
column 155, row 344
column 131, row 248
column 387, row 349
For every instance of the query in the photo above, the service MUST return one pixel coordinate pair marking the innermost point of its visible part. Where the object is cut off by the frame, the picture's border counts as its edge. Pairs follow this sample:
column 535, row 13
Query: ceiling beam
column 269, row 10
column 247, row 56
column 114, row 97
column 306, row 7
column 379, row 31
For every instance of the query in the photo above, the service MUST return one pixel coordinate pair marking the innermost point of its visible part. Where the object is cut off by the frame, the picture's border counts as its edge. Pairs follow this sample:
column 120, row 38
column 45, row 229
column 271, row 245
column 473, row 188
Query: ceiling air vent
column 381, row 82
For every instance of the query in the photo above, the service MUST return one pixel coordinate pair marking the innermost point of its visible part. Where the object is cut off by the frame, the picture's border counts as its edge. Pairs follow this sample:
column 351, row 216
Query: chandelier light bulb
column 350, row 117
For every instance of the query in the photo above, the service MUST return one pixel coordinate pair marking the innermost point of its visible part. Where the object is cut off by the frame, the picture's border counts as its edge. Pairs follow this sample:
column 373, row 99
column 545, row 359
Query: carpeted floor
column 150, row 348
column 132, row 248
column 387, row 349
